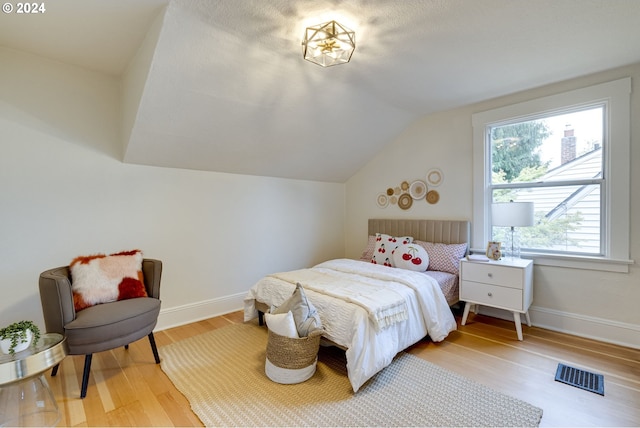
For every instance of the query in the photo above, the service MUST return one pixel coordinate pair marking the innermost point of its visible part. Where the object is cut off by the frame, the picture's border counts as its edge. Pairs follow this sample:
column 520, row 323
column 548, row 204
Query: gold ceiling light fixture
column 328, row 44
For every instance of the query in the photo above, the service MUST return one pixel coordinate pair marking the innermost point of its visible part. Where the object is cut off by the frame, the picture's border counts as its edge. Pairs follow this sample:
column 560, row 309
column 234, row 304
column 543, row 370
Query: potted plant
column 18, row 336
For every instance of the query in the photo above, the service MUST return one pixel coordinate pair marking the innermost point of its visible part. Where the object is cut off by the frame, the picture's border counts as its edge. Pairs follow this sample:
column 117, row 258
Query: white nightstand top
column 505, row 261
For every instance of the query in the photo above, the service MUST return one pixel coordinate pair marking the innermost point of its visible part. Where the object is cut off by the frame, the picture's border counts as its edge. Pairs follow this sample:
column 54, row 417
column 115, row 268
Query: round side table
column 25, row 396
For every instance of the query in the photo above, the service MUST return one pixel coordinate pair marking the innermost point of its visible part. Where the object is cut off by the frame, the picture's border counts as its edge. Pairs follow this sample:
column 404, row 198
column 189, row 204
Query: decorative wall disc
column 405, row 201
column 382, row 200
column 404, row 186
column 433, row 197
column 389, row 191
column 434, row 177
column 418, row 189
column 393, row 199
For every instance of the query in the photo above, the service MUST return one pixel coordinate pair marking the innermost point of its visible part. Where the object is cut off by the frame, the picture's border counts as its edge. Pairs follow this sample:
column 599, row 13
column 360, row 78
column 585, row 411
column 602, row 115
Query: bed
column 372, row 341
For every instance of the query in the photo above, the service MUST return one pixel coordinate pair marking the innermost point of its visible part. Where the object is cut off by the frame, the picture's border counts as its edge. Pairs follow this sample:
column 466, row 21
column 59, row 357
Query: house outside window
column 569, row 155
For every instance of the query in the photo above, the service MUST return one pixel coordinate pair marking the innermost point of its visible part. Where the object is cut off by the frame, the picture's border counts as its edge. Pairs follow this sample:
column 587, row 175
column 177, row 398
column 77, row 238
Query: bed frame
column 443, row 231
column 440, row 231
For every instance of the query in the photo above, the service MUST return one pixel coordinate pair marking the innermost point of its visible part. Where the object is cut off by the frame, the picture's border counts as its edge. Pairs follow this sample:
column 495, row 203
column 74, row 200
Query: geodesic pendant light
column 328, row 44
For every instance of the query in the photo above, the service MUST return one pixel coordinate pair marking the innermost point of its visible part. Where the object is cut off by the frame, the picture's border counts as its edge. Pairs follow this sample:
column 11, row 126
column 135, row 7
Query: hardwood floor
column 126, row 388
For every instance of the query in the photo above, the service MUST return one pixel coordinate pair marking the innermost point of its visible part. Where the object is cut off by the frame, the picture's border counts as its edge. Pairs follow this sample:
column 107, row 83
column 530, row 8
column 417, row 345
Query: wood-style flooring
column 126, row 388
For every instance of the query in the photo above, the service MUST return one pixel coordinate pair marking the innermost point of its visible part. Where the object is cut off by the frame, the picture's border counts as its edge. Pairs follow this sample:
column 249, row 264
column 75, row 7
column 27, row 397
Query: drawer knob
column 490, row 294
column 490, row 275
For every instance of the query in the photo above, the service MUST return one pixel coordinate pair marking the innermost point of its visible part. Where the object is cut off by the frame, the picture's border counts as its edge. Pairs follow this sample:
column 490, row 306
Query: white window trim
column 617, row 96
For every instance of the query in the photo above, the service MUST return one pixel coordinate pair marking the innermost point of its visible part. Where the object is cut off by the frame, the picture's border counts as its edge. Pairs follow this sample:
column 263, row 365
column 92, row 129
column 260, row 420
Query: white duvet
column 369, row 348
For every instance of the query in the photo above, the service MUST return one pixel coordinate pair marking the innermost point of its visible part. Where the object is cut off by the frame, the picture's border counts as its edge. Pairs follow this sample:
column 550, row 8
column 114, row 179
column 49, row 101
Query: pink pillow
column 444, row 257
column 385, row 246
column 367, row 254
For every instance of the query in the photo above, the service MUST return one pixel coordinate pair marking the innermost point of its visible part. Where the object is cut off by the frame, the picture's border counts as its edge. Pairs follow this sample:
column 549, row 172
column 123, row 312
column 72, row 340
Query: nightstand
column 505, row 284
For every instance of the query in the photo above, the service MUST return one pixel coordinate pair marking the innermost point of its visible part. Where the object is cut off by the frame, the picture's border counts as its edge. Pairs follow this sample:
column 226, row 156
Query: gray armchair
column 101, row 327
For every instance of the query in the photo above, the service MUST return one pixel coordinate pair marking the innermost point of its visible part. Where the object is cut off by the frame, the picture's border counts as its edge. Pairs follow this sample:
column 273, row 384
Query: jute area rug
column 221, row 373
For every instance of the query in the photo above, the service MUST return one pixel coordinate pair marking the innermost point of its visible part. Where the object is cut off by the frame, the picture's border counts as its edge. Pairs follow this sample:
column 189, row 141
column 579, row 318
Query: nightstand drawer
column 491, row 295
column 493, row 274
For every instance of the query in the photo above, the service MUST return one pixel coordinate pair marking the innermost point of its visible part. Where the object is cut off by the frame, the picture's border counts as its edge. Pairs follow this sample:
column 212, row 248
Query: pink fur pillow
column 101, row 279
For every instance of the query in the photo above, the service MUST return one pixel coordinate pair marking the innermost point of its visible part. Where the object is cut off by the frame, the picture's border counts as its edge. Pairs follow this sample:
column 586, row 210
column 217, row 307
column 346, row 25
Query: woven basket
column 288, row 353
column 292, row 360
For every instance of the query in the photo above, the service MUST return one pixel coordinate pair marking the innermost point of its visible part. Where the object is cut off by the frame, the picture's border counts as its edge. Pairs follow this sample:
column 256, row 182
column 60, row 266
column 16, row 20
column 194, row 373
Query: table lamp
column 512, row 214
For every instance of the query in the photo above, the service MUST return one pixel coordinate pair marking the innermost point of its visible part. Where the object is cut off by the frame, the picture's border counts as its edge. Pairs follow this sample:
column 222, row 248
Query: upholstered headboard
column 444, row 231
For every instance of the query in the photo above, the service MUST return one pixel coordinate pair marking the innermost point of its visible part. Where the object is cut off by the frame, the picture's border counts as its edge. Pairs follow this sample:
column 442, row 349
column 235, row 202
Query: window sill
column 580, row 262
column 575, row 262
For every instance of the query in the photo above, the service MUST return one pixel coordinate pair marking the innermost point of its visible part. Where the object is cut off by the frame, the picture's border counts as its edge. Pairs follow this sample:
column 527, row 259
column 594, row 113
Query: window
column 569, row 155
column 555, row 162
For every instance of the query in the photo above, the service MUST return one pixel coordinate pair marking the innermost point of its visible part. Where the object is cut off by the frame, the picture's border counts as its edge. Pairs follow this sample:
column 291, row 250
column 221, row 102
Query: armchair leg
column 54, row 371
column 154, row 348
column 85, row 375
column 126, row 346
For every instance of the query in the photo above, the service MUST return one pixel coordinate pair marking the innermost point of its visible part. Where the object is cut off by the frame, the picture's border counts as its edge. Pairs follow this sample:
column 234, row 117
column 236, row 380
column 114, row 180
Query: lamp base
column 515, row 248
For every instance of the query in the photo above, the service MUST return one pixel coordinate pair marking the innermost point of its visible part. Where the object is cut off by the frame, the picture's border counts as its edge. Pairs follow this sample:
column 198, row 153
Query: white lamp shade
column 512, row 214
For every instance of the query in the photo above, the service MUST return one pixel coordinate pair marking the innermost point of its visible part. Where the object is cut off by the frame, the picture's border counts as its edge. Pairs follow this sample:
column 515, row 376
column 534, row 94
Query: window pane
column 560, row 147
column 567, row 219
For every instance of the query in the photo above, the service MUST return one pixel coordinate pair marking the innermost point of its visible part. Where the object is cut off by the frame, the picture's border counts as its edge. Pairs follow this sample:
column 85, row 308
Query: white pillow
column 412, row 257
column 282, row 324
column 305, row 315
column 385, row 245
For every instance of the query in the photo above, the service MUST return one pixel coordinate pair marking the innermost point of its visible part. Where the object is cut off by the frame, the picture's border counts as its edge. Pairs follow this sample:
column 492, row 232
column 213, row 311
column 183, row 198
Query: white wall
column 64, row 192
column 587, row 303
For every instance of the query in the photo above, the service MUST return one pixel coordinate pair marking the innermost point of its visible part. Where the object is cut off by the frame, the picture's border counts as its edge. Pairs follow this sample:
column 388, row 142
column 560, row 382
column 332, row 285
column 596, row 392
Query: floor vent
column 580, row 379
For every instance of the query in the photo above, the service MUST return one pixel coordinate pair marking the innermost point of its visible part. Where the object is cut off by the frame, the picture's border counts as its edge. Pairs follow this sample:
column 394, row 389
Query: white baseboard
column 604, row 330
column 185, row 314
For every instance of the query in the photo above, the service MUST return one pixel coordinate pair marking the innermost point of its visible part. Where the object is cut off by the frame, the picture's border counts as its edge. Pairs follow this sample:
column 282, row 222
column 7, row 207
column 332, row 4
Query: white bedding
column 368, row 349
column 384, row 305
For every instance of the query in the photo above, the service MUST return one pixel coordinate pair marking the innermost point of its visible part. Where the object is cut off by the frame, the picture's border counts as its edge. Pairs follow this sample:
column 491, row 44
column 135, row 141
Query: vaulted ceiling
column 224, row 86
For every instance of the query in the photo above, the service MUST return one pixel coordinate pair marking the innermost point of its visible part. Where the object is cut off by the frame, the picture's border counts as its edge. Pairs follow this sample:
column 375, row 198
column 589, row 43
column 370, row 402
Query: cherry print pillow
column 411, row 257
column 385, row 246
